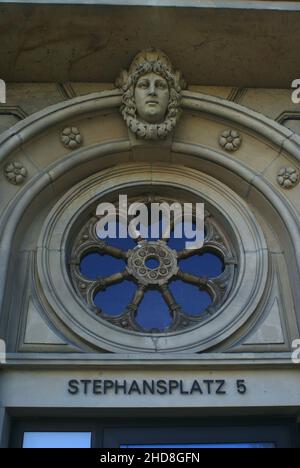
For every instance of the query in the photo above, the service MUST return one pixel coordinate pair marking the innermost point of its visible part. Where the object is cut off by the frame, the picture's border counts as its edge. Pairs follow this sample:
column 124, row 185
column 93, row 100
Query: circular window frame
column 217, row 241
column 57, row 288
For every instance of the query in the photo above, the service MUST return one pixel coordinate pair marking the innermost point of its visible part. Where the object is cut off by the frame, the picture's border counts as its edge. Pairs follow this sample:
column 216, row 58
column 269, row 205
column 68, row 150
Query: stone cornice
column 207, row 4
column 211, row 361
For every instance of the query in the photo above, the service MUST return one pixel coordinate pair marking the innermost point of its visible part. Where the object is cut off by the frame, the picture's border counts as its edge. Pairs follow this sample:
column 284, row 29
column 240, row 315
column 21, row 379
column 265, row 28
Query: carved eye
column 161, row 85
column 143, row 85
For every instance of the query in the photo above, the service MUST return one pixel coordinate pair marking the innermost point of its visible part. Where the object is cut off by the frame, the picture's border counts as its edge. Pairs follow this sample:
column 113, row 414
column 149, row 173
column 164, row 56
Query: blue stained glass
column 114, row 300
column 153, row 312
column 176, row 244
column 207, row 264
column 94, row 265
column 193, row 301
column 152, row 263
column 123, row 244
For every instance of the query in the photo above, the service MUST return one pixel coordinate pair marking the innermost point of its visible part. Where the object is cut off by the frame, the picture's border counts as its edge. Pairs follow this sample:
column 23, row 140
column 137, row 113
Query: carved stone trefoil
column 151, row 103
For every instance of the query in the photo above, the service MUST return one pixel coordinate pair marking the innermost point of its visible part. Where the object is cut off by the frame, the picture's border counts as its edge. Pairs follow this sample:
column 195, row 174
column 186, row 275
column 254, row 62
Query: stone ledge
column 233, row 4
column 161, row 360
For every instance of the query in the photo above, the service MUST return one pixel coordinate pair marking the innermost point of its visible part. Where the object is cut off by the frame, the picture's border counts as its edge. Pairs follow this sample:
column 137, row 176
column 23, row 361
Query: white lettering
column 196, row 233
column 296, row 353
column 139, row 225
column 123, row 459
column 185, row 221
column 296, row 93
column 2, row 352
column 106, row 226
column 2, row 92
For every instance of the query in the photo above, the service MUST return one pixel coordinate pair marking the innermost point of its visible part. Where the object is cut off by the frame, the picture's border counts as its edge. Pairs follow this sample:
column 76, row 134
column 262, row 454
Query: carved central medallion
column 164, row 263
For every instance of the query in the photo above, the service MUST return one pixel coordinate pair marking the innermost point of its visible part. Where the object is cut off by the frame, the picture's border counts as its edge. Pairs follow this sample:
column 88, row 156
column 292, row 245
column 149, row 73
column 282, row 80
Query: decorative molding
column 15, row 172
column 204, row 361
column 16, row 111
column 288, row 115
column 261, row 5
column 58, row 115
column 237, row 94
column 66, row 90
column 241, row 227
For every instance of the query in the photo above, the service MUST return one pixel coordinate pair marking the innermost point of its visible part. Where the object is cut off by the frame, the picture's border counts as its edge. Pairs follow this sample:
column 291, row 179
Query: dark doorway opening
column 155, row 433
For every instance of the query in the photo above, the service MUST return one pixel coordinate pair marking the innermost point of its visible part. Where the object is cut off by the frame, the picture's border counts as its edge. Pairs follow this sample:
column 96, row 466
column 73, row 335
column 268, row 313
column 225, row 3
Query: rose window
column 153, row 285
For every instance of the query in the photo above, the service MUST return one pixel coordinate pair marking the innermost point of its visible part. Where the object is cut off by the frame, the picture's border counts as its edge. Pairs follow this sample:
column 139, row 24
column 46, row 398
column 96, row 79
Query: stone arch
column 112, row 145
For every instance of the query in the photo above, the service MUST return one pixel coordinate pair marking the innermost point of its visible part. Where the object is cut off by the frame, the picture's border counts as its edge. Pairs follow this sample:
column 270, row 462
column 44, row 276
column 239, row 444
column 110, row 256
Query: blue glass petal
column 153, row 312
column 116, row 298
column 193, row 301
column 207, row 264
column 94, row 265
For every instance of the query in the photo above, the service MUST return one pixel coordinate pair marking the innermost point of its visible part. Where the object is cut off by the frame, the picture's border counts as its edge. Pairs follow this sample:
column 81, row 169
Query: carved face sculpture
column 151, row 102
column 152, row 97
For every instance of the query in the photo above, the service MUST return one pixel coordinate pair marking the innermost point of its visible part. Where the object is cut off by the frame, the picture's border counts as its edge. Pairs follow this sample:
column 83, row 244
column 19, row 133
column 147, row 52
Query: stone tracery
column 158, row 278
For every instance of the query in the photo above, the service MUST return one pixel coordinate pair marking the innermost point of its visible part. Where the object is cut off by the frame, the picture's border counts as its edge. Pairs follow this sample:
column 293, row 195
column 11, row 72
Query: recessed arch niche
column 54, row 170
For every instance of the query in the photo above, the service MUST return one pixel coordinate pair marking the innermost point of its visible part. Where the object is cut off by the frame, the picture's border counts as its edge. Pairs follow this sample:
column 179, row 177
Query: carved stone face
column 152, row 96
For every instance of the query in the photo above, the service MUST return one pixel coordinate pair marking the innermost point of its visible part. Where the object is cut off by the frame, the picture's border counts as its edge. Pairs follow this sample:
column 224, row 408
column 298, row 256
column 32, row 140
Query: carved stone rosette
column 15, row 172
column 230, row 140
column 288, row 177
column 71, row 138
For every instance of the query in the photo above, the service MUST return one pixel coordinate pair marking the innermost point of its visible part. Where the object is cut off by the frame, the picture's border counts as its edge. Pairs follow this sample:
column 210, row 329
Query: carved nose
column 152, row 90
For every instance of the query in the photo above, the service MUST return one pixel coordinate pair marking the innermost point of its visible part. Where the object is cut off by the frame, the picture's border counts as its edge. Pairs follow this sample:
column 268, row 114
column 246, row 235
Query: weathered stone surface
column 76, row 44
column 38, row 331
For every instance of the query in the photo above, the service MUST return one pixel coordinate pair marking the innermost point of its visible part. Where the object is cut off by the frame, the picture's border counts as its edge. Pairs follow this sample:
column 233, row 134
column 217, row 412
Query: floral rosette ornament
column 71, row 138
column 230, row 140
column 15, row 173
column 288, row 177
